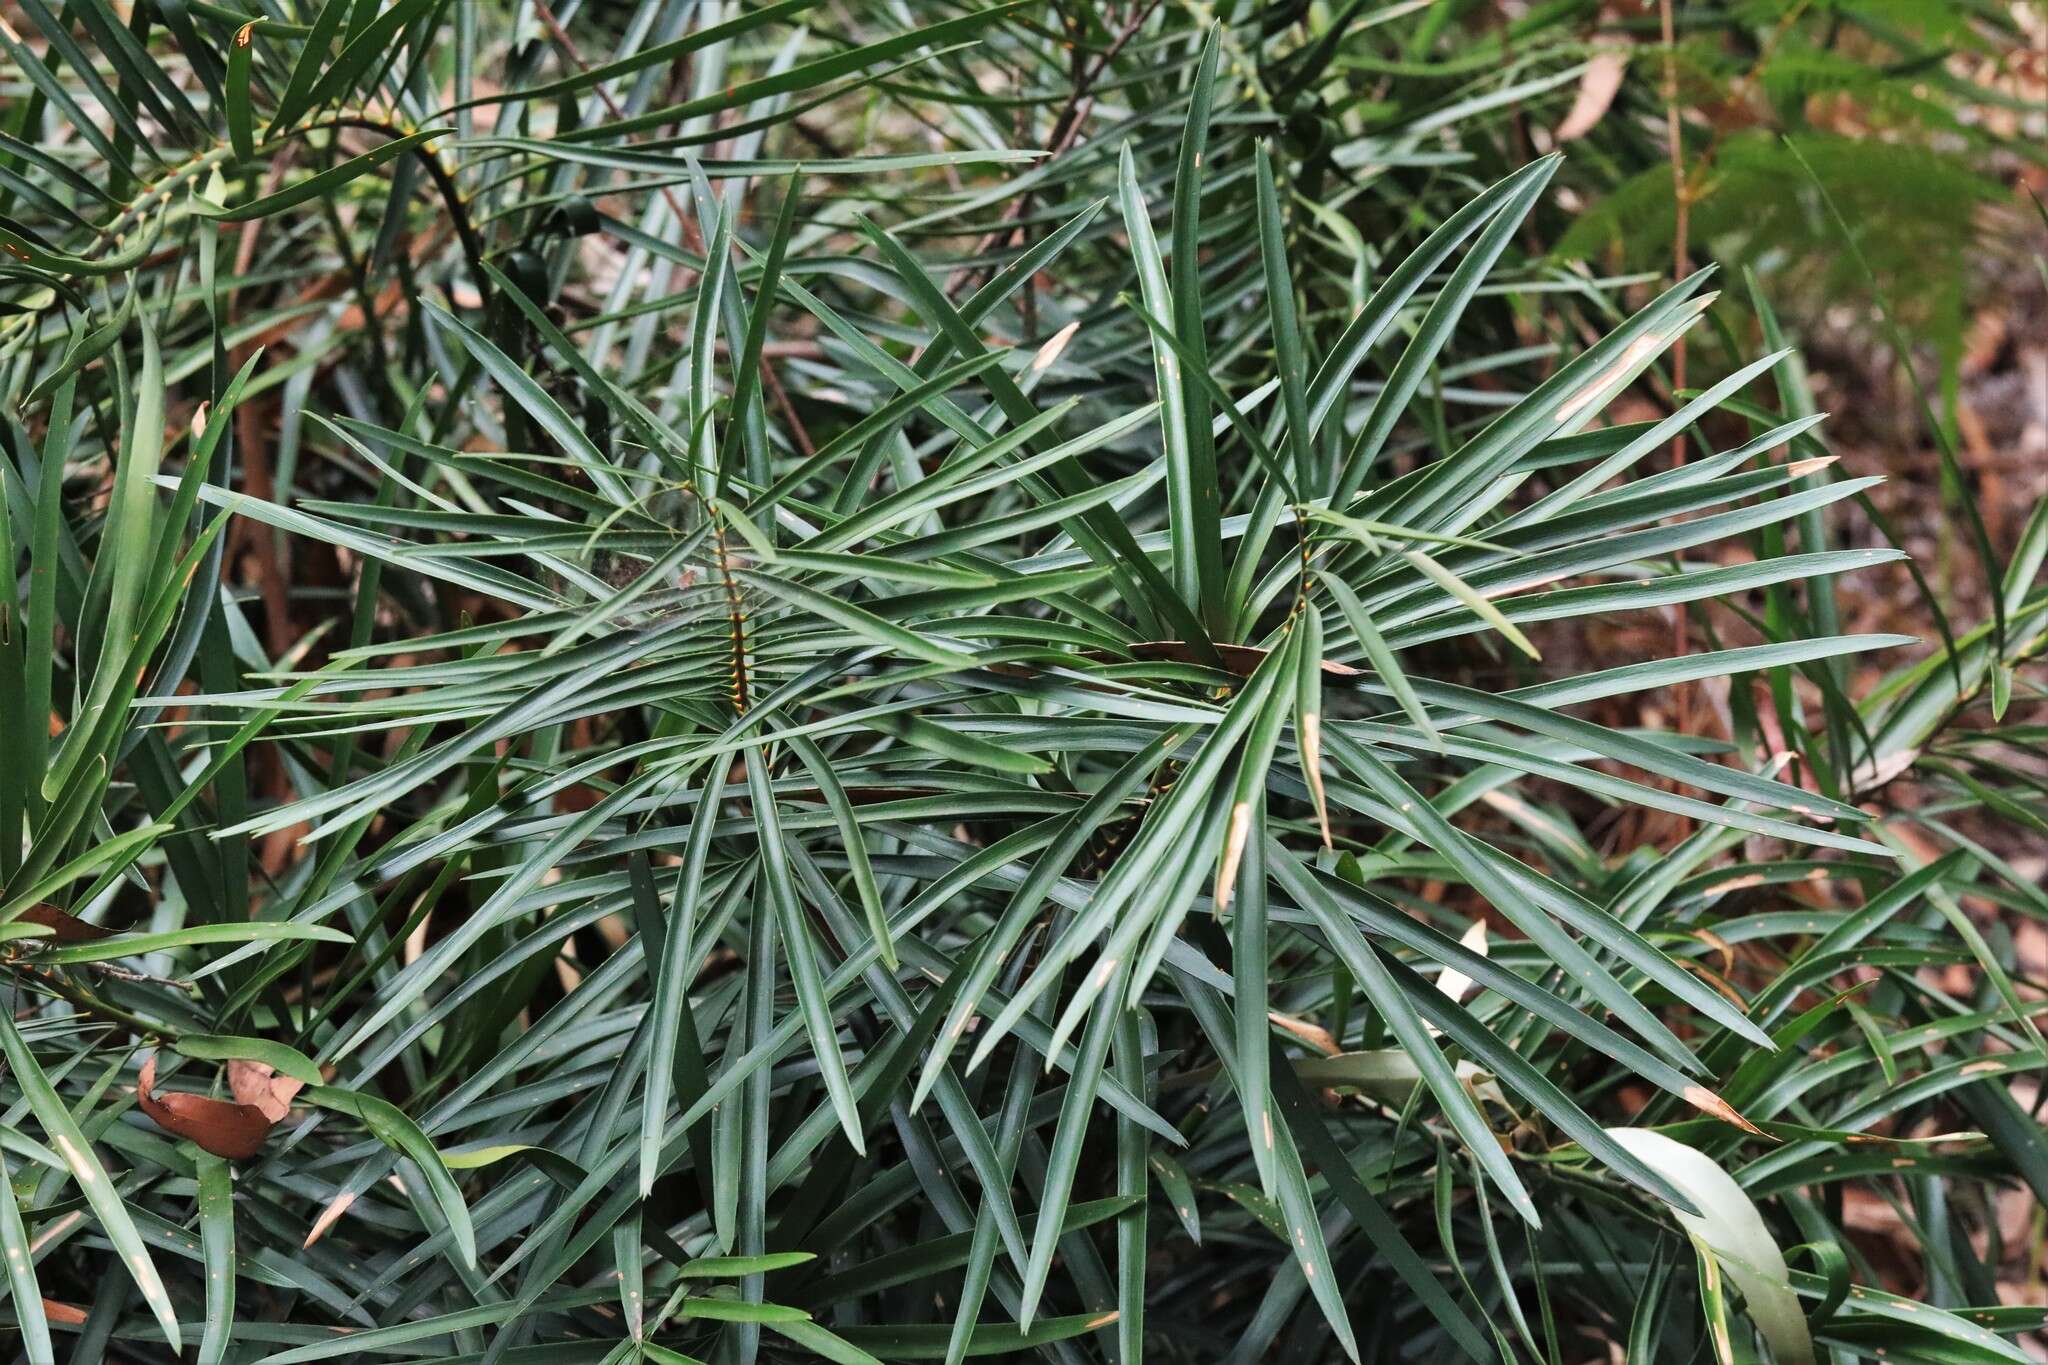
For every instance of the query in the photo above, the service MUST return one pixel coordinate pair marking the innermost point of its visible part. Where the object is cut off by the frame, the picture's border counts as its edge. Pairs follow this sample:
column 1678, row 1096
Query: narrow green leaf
column 93, row 1182
column 819, row 1020
column 217, row 1244
column 241, row 119
column 402, row 1135
column 21, row 1275
column 324, row 183
column 282, row 1058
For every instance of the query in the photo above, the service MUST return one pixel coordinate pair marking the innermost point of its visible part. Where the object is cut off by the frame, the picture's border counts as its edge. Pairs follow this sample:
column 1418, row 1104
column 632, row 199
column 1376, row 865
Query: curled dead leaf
column 1315, row 1035
column 1233, row 854
column 1050, row 352
column 1719, row 945
column 1707, row 1102
column 1598, row 85
column 1636, row 353
column 256, row 1083
column 1801, row 468
column 226, row 1128
column 1309, row 730
column 329, row 1216
column 64, row 926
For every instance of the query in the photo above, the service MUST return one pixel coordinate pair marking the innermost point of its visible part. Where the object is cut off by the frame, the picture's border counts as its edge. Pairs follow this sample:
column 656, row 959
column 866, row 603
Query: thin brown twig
column 1682, row 192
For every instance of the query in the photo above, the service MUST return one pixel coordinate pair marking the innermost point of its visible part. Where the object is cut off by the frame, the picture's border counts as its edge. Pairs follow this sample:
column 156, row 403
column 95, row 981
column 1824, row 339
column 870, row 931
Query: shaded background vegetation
column 418, row 417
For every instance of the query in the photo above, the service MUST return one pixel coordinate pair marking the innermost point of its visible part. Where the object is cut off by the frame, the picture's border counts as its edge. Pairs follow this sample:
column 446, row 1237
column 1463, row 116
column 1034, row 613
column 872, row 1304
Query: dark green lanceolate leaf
column 30, row 1318
column 328, row 181
column 801, row 954
column 403, row 1136
column 367, row 49
column 76, row 1152
column 658, row 54
column 137, row 945
column 1098, row 533
column 217, row 1241
column 809, row 74
column 240, row 118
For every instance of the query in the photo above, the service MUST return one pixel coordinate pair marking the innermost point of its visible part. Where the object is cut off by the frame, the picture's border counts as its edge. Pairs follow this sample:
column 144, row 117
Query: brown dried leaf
column 1315, row 1035
column 1233, row 854
column 64, row 926
column 257, row 1084
column 223, row 1127
column 329, row 1216
column 1597, row 88
column 1707, row 1102
column 1050, row 352
column 1310, row 733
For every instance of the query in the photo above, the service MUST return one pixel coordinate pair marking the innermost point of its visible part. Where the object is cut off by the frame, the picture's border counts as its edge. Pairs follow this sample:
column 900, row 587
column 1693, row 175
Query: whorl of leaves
column 862, row 681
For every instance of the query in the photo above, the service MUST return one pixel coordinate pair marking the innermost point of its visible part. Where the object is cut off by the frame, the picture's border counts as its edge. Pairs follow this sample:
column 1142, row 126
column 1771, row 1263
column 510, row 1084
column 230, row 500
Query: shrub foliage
column 745, row 682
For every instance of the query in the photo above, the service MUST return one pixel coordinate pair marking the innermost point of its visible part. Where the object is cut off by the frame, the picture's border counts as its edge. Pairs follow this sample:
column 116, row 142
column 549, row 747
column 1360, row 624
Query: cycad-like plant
column 896, row 784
